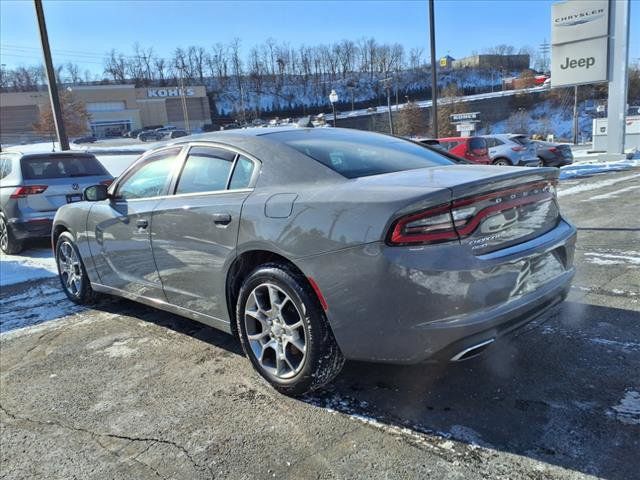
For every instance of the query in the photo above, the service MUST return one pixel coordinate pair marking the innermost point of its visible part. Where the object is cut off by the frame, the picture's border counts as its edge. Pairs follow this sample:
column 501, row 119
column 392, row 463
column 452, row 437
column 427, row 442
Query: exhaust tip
column 472, row 351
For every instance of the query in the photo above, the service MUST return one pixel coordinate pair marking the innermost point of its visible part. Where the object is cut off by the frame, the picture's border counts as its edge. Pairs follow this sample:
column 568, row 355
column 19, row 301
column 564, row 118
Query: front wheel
column 71, row 271
column 8, row 242
column 284, row 331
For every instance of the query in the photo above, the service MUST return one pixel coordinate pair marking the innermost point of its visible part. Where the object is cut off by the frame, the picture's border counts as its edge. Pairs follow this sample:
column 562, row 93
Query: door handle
column 221, row 218
column 142, row 223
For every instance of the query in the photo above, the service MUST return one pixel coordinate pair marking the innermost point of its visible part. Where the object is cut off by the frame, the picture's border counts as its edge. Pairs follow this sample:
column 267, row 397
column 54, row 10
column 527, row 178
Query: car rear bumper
column 413, row 304
column 36, row 227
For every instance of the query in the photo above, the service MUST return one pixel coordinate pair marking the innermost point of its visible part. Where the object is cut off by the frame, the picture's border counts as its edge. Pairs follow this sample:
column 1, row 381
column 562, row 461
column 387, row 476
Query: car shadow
column 548, row 393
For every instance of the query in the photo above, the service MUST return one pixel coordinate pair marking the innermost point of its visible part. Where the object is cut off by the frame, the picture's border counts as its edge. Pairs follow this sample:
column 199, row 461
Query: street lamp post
column 333, row 98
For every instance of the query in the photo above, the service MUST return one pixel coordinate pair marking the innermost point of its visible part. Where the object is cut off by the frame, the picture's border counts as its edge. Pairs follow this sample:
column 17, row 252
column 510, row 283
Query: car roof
column 64, row 153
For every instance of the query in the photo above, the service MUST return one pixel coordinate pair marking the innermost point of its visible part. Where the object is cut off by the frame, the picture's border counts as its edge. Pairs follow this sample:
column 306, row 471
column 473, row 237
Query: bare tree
column 74, row 114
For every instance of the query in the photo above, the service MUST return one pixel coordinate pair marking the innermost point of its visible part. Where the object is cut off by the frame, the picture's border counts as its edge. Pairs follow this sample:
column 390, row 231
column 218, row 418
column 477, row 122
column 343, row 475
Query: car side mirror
column 96, row 193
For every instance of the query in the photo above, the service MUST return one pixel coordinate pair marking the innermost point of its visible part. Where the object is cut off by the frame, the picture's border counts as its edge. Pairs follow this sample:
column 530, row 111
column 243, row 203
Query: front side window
column 152, row 178
column 206, row 169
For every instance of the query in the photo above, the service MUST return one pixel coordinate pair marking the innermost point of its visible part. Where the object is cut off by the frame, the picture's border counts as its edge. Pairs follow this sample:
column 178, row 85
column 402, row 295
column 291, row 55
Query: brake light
column 553, row 149
column 22, row 192
column 429, row 226
column 106, row 182
column 519, row 148
column 460, row 218
column 479, row 151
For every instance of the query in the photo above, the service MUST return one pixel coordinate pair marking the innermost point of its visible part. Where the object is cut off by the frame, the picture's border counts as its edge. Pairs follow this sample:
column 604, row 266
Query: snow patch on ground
column 586, row 187
column 41, row 303
column 628, row 410
column 626, row 346
column 31, row 265
column 612, row 259
column 586, row 168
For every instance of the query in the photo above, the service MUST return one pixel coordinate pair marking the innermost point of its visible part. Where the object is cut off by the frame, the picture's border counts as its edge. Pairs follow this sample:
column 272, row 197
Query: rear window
column 355, row 154
column 60, row 166
column 477, row 142
column 521, row 140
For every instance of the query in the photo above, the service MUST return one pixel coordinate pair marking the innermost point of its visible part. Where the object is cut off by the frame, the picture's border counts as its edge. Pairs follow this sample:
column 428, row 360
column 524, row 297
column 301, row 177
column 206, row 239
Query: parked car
column 313, row 246
column 473, row 149
column 150, row 136
column 230, row 126
column 512, row 149
column 88, row 139
column 34, row 186
column 553, row 154
column 133, row 133
column 177, row 134
column 431, row 142
column 168, row 128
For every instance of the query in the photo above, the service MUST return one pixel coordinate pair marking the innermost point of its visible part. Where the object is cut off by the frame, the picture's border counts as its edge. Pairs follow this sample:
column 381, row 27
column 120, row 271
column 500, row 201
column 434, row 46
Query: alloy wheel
column 275, row 331
column 70, row 268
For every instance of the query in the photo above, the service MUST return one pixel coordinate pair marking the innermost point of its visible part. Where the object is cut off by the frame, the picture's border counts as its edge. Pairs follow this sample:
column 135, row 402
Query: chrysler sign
column 576, row 20
column 580, row 42
column 170, row 92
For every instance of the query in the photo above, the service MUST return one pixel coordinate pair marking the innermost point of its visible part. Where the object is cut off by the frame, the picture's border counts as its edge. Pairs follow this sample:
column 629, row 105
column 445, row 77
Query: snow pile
column 582, row 168
column 32, row 265
column 586, row 187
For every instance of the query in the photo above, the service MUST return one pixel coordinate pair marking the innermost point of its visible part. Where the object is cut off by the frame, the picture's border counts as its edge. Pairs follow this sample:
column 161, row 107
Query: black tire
column 323, row 359
column 8, row 242
column 502, row 162
column 81, row 294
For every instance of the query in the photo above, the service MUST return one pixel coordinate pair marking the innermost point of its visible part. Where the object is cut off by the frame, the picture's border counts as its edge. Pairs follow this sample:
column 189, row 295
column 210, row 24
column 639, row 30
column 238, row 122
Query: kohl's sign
column 170, row 92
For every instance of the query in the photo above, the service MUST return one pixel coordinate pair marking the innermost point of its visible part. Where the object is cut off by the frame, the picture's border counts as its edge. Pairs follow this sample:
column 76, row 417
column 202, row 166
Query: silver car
column 313, row 246
column 510, row 149
column 34, row 186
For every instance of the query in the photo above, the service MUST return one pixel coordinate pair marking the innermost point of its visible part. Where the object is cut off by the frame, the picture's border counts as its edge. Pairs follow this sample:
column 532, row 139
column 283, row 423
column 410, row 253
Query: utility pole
column 545, row 48
column 434, row 74
column 387, row 86
column 51, row 78
column 575, row 115
column 183, row 98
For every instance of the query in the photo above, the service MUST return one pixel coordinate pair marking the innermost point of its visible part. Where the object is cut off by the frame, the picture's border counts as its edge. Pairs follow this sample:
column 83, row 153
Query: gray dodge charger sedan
column 313, row 246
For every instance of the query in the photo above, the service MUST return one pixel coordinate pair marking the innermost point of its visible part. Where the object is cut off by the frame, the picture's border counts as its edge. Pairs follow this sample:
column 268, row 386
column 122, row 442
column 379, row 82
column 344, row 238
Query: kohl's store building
column 114, row 109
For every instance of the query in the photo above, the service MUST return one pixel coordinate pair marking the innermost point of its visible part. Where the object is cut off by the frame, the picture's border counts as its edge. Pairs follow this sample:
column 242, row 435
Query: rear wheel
column 8, row 242
column 284, row 332
column 71, row 271
column 501, row 162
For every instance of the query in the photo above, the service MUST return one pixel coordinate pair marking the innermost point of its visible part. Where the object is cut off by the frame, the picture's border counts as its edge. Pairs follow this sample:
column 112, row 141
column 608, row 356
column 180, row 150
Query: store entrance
column 115, row 128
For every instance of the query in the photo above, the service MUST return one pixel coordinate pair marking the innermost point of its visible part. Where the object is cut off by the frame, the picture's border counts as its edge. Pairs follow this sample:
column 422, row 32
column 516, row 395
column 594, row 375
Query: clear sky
column 82, row 31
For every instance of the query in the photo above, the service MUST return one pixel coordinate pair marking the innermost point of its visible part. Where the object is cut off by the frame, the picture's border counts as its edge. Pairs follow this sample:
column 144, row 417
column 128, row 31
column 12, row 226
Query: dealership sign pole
column 51, row 79
column 619, row 76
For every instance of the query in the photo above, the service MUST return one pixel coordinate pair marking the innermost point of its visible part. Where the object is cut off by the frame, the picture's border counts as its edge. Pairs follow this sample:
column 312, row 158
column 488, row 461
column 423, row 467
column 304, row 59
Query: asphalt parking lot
column 125, row 391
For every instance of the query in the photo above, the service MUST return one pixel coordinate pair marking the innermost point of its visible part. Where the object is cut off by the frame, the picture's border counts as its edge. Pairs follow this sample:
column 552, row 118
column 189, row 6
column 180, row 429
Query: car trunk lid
column 490, row 207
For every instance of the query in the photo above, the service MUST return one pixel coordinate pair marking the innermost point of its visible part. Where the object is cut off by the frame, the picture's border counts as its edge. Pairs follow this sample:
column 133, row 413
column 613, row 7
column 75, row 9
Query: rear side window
column 206, row 169
column 477, row 142
column 5, row 166
column 242, row 173
column 60, row 166
column 355, row 154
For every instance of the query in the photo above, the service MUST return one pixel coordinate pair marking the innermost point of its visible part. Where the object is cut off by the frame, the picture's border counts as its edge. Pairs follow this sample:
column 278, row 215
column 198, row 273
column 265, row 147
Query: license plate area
column 74, row 197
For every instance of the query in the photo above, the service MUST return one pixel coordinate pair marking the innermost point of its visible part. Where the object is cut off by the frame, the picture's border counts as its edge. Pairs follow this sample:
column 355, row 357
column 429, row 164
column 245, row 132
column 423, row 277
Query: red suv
column 473, row 149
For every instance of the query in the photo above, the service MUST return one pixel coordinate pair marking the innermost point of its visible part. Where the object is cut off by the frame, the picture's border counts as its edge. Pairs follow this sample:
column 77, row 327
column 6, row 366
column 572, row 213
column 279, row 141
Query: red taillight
column 519, row 148
column 22, row 192
column 553, row 149
column 429, row 226
column 460, row 219
column 106, row 182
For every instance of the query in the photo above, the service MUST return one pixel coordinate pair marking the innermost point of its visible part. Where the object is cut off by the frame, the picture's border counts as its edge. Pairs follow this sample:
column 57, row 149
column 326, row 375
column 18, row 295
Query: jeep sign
column 579, row 62
column 169, row 92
